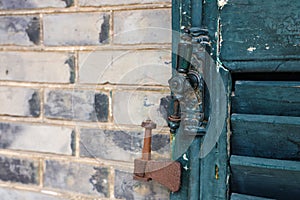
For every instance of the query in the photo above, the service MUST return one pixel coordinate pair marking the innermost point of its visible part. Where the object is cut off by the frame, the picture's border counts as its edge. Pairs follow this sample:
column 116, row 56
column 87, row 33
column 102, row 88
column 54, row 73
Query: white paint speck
column 185, row 168
column 185, row 157
column 251, row 49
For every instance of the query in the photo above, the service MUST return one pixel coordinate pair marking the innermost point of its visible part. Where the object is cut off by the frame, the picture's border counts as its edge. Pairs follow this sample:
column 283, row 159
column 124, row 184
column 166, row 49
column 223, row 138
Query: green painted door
column 253, row 80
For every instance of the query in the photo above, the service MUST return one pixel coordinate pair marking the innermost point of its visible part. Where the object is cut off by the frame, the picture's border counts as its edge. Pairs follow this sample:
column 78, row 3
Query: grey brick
column 129, row 189
column 152, row 67
column 76, row 105
column 28, row 4
column 133, row 107
column 19, row 101
column 142, row 26
column 37, row 67
column 49, row 139
column 117, row 2
column 13, row 194
column 120, row 145
column 76, row 29
column 19, row 170
column 77, row 177
column 19, row 30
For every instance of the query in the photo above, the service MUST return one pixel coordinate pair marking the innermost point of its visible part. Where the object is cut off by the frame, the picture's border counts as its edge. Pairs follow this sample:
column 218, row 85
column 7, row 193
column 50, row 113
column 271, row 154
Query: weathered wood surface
column 236, row 196
column 266, row 136
column 264, row 66
column 269, row 98
column 265, row 177
column 260, row 30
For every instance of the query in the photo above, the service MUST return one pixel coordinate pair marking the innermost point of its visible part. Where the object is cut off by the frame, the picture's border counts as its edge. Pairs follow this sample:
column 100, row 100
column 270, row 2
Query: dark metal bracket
column 187, row 85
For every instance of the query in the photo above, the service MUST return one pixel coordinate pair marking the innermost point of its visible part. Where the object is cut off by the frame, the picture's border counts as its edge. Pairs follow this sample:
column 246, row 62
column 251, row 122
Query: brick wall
column 77, row 78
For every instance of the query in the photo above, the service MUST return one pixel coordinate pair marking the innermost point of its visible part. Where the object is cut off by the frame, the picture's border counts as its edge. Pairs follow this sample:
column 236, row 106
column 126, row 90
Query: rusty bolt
column 148, row 125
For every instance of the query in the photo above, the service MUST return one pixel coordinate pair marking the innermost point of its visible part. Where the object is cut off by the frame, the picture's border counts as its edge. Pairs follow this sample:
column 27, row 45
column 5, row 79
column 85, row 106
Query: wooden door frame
column 213, row 180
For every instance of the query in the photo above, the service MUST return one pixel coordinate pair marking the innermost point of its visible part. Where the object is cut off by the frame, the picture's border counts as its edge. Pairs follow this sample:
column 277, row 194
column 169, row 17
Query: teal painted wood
column 235, row 196
column 210, row 21
column 256, row 30
column 263, row 66
column 269, row 98
column 181, row 12
column 267, row 136
column 214, row 166
column 215, row 170
column 265, row 177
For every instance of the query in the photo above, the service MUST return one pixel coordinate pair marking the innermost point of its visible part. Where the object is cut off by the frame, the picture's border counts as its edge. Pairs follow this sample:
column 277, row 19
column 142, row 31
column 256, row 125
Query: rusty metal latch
column 167, row 173
column 187, row 84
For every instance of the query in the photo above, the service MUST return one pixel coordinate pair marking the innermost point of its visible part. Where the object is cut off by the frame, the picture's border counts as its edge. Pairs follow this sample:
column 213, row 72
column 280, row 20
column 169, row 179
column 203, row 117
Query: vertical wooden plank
column 214, row 166
column 181, row 13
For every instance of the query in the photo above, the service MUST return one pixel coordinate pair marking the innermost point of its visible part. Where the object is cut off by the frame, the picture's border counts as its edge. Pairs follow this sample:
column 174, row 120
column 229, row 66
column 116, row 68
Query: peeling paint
column 222, row 3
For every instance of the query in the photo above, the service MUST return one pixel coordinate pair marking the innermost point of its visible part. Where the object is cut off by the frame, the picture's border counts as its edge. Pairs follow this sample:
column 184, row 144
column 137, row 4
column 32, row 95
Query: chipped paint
column 251, row 49
column 185, row 157
column 222, row 3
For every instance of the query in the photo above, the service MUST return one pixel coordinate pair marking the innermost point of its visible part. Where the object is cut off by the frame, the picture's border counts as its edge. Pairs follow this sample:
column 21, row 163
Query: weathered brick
column 49, row 139
column 76, row 105
column 19, row 170
column 120, row 145
column 117, row 2
column 133, row 107
column 13, row 194
column 76, row 29
column 125, row 67
column 129, row 189
column 19, row 30
column 37, row 67
column 77, row 177
column 142, row 26
column 19, row 101
column 27, row 4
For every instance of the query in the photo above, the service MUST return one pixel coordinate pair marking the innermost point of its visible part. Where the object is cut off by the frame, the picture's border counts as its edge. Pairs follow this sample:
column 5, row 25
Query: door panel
column 260, row 45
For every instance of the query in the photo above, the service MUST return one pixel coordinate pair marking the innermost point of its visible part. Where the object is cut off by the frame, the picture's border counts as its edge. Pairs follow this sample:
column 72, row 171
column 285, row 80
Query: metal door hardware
column 187, row 85
column 167, row 173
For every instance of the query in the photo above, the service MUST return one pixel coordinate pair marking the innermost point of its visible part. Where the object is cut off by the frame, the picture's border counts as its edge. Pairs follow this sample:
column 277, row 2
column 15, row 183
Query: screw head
column 148, row 124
